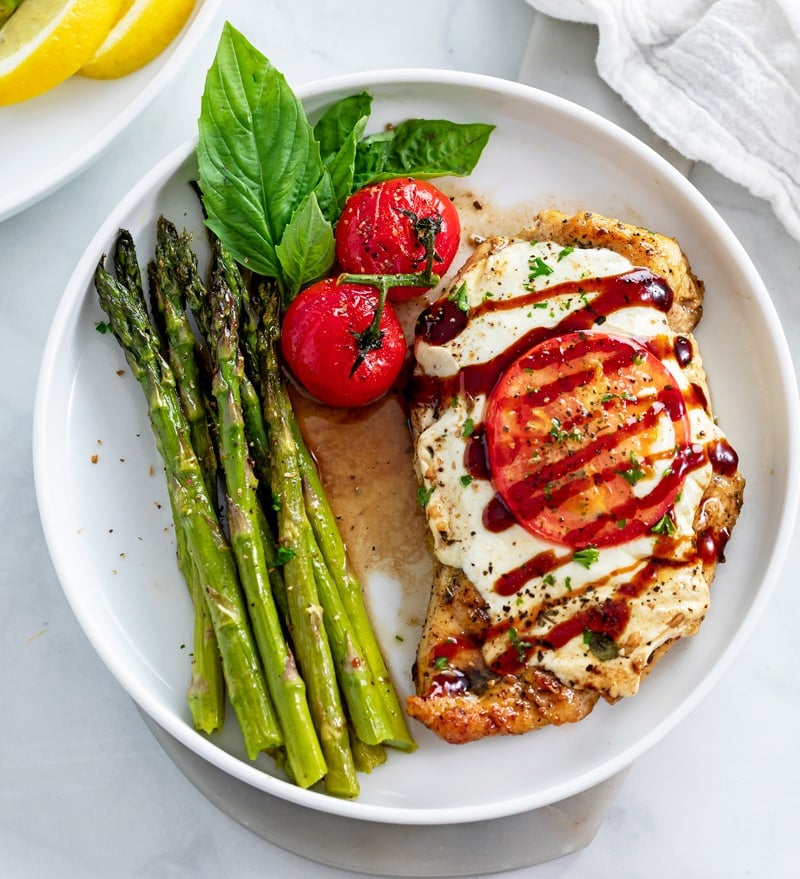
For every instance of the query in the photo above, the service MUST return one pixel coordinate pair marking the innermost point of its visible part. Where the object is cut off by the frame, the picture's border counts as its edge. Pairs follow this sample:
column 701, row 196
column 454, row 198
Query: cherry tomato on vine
column 588, row 440
column 327, row 343
column 384, row 226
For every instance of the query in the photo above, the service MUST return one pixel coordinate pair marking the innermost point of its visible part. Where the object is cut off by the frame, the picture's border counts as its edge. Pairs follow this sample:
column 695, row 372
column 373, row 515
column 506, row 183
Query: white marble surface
column 85, row 790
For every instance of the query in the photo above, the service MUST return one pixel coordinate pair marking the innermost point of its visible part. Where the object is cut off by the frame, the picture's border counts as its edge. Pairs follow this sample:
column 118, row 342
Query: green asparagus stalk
column 191, row 282
column 206, row 693
column 304, row 756
column 198, row 300
column 305, row 612
column 256, row 431
column 334, row 555
column 370, row 710
column 366, row 757
column 195, row 514
column 362, row 698
column 333, row 550
column 255, row 428
column 181, row 343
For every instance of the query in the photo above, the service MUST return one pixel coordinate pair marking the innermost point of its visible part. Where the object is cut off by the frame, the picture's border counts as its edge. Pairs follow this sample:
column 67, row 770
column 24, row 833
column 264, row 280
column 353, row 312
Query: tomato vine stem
column 426, row 230
column 370, row 339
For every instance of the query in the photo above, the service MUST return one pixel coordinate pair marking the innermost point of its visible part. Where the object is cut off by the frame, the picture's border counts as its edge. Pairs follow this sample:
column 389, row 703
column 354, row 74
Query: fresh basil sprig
column 420, row 148
column 265, row 189
column 339, row 132
column 273, row 185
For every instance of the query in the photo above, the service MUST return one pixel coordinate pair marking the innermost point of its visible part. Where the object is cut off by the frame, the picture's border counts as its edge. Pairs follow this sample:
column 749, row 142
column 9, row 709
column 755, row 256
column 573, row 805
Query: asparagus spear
column 181, row 344
column 195, row 513
column 305, row 612
column 333, row 550
column 304, row 757
column 191, row 283
column 362, row 698
column 366, row 708
column 255, row 429
column 366, row 757
column 206, row 693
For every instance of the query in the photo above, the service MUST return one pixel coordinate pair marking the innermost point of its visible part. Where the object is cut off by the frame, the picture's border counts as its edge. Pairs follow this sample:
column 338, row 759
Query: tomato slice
column 381, row 231
column 320, row 343
column 587, row 439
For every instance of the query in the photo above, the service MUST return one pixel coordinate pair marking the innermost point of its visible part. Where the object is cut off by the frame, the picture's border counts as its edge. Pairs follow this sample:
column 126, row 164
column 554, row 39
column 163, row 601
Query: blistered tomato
column 327, row 344
column 391, row 227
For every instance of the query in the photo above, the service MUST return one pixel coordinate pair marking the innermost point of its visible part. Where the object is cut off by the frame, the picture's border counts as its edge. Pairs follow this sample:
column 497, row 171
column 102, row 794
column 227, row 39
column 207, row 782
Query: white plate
column 107, row 523
column 50, row 139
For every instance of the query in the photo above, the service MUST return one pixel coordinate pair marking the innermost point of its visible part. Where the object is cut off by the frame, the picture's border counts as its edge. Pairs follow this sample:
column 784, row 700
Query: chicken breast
column 578, row 490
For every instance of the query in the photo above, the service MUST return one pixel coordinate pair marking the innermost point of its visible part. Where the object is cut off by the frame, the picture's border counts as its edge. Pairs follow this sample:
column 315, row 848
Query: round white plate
column 50, row 139
column 107, row 523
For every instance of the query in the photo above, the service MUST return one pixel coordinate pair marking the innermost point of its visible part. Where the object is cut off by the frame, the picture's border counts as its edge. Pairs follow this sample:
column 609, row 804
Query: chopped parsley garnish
column 627, row 396
column 466, row 479
column 441, row 663
column 460, row 296
column 538, row 268
column 565, row 252
column 664, row 526
column 634, row 473
column 586, row 557
column 102, row 327
column 468, row 428
column 601, row 645
column 559, row 435
column 424, row 496
column 522, row 647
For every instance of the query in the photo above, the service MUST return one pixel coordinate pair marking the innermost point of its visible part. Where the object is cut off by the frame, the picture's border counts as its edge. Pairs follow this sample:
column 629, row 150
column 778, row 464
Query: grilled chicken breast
column 578, row 490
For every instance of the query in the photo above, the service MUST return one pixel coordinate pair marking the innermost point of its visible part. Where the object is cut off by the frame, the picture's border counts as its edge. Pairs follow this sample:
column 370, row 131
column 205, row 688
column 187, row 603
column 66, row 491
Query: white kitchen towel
column 717, row 79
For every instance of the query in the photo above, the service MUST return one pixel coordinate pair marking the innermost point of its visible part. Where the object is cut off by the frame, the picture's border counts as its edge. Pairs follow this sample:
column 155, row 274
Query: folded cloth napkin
column 717, row 79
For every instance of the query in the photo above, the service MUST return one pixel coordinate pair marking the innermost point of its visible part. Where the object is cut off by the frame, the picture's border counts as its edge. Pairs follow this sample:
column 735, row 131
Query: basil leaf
column 338, row 122
column 257, row 154
column 338, row 132
column 306, row 251
column 420, row 148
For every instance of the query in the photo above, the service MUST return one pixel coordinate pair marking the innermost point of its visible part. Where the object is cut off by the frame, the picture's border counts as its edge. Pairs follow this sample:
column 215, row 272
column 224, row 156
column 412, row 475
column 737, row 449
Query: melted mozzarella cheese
column 676, row 598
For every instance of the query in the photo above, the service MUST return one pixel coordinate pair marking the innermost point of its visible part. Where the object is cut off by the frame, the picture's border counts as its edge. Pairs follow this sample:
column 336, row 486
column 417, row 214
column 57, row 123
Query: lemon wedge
column 142, row 33
column 46, row 41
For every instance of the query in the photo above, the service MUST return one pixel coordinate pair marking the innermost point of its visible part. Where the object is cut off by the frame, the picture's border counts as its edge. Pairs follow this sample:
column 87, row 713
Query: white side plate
column 48, row 140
